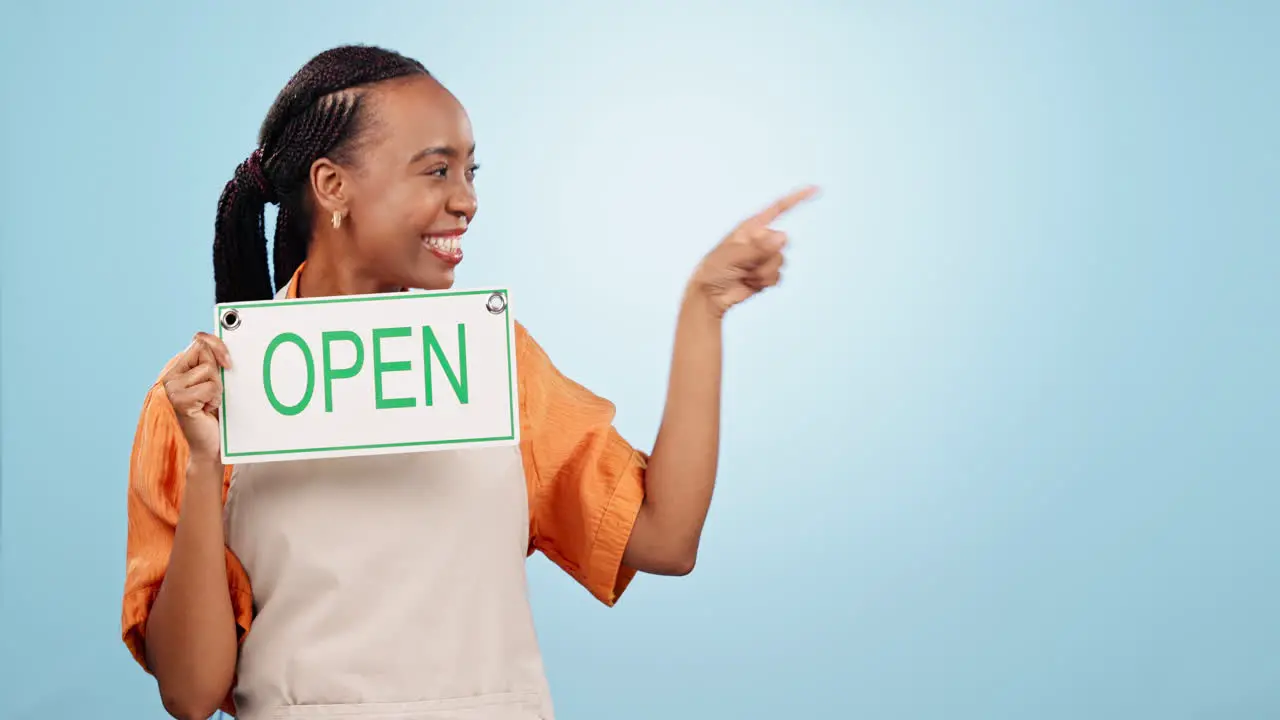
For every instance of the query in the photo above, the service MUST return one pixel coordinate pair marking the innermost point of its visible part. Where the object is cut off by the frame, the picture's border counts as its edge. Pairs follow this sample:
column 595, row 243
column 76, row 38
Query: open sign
column 368, row 374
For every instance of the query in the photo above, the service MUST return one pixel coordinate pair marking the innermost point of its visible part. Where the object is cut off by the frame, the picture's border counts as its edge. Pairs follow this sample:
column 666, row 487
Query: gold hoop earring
column 337, row 219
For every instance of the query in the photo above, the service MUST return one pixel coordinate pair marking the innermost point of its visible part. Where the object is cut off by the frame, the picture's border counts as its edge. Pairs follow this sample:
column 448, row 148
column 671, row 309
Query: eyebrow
column 444, row 150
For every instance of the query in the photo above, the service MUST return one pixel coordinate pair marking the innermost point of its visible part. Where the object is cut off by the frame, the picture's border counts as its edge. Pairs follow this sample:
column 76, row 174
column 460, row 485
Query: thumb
column 759, row 245
column 769, row 241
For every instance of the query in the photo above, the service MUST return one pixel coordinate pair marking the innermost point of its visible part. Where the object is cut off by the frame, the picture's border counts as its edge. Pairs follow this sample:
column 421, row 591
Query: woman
column 394, row 586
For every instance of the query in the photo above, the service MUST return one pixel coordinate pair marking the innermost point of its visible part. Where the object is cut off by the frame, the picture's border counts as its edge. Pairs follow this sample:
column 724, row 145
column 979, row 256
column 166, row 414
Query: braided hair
column 317, row 114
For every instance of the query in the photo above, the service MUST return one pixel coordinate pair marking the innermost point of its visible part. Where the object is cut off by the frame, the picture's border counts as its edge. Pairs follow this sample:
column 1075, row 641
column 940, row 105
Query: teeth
column 443, row 243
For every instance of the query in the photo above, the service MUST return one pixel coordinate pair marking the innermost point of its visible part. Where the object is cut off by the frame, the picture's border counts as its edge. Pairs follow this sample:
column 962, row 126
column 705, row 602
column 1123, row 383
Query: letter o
column 280, row 407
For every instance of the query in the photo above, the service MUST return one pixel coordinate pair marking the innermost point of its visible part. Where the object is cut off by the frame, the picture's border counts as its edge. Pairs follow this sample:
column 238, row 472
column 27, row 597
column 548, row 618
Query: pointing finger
column 780, row 206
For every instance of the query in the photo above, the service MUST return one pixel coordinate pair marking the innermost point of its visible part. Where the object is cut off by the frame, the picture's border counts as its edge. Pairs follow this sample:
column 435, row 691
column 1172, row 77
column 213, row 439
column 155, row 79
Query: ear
column 329, row 185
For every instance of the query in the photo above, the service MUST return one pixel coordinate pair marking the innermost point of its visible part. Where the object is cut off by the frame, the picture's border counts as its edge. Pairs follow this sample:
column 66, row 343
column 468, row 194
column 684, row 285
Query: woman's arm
column 190, row 634
column 191, row 642
column 682, row 467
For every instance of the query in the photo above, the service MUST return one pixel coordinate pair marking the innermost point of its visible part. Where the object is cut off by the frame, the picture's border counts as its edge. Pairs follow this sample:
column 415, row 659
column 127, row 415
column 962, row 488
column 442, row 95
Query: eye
column 442, row 171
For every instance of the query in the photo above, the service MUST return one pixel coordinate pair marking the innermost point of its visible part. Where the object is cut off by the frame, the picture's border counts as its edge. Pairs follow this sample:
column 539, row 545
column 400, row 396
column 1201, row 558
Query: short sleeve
column 586, row 483
column 157, row 474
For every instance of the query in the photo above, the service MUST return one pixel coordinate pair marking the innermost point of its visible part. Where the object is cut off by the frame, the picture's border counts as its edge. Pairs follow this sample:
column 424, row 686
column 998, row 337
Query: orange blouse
column 585, row 485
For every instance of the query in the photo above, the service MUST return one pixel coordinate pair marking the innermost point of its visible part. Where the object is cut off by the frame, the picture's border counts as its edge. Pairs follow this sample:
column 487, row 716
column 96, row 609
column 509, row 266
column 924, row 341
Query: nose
column 462, row 202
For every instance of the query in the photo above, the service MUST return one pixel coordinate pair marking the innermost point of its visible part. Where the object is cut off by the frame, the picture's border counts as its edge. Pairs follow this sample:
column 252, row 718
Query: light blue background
column 1003, row 445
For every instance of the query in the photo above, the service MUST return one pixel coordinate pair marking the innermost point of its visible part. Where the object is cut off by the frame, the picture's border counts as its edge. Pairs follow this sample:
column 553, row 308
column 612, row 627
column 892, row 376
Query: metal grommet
column 497, row 303
column 230, row 320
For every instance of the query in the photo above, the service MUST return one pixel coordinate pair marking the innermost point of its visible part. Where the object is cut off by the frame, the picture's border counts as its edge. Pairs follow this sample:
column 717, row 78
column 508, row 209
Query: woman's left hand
column 748, row 260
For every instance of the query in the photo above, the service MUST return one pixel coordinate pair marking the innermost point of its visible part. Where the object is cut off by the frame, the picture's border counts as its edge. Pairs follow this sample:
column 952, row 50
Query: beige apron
column 387, row 588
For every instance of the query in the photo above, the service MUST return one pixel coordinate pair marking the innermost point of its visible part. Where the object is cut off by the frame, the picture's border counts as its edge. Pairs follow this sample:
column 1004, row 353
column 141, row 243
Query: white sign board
column 368, row 374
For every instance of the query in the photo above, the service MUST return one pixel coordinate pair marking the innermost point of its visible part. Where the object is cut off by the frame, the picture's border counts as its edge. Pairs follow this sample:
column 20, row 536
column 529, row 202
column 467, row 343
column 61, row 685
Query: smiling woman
column 372, row 162
column 370, row 141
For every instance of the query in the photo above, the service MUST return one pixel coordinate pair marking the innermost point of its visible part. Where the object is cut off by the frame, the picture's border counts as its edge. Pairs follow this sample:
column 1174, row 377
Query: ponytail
column 293, row 234
column 240, row 270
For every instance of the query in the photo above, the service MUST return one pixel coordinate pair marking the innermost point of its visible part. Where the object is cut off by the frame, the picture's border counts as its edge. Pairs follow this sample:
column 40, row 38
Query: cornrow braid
column 319, row 113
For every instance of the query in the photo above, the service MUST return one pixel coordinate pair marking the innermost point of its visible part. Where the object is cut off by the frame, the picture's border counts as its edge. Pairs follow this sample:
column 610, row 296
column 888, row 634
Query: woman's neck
column 327, row 274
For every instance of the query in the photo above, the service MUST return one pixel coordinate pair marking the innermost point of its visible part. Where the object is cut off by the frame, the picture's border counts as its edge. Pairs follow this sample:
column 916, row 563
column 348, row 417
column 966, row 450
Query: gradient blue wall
column 1004, row 444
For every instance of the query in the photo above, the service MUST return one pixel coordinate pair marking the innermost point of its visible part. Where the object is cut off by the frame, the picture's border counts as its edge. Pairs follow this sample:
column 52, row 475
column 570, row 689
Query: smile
column 446, row 247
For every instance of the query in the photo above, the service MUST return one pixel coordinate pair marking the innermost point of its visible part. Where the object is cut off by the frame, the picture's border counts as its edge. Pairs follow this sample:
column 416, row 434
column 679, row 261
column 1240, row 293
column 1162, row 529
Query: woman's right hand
column 194, row 388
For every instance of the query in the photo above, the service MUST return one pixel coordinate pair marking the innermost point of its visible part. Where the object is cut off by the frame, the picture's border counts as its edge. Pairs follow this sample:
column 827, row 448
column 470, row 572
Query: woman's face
column 411, row 195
